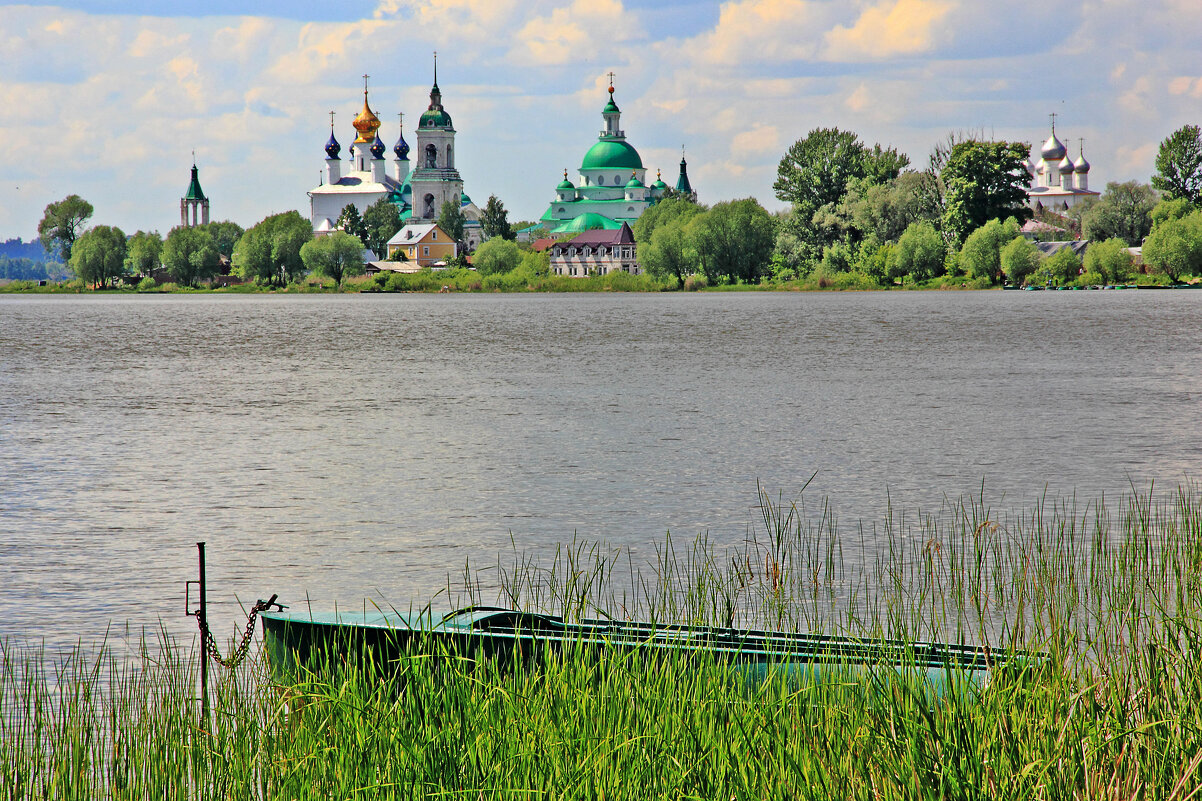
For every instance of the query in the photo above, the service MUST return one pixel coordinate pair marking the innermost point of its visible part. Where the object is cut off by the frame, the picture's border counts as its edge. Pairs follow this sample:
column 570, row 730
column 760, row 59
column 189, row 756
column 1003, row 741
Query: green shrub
column 147, row 284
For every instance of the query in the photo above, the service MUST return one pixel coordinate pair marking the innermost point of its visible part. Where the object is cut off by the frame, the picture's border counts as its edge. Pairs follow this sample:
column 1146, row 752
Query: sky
column 108, row 100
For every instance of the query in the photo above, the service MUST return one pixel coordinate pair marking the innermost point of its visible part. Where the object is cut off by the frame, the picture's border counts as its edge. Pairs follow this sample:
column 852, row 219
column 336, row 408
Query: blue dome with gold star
column 401, row 148
column 377, row 148
column 332, row 147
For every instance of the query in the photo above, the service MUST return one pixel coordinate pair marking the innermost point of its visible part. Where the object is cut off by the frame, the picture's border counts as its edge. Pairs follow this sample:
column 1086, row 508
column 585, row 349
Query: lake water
column 349, row 447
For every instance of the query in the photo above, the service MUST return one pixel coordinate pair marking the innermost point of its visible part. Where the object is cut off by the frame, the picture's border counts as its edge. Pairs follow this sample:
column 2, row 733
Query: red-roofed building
column 596, row 253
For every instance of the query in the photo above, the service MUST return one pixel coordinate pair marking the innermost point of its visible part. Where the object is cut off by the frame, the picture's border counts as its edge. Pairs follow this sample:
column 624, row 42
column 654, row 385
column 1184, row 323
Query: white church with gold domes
column 418, row 193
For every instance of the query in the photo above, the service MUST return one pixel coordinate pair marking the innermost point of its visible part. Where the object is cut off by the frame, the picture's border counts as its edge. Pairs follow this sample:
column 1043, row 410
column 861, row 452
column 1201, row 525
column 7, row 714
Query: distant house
column 423, row 243
column 596, row 253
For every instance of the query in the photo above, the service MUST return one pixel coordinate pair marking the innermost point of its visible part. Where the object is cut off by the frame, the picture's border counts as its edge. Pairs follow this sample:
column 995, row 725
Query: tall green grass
column 1109, row 590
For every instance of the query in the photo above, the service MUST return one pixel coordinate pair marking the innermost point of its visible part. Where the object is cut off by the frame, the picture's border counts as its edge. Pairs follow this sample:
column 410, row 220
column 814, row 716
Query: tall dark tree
column 1124, row 211
column 815, row 170
column 351, row 221
column 984, row 181
column 1179, row 165
column 381, row 220
column 494, row 220
column 451, row 220
column 99, row 255
column 62, row 223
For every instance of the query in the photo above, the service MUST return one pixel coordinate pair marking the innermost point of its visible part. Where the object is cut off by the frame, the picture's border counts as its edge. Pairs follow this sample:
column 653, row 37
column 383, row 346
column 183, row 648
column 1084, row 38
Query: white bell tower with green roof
column 434, row 180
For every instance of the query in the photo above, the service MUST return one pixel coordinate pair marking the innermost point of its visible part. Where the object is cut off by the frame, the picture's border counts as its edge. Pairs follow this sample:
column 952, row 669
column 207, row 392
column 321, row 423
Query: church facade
column 611, row 188
column 418, row 193
column 1057, row 182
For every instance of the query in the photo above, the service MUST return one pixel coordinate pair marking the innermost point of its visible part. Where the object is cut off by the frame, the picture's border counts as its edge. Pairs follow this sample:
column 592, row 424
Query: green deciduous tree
column 670, row 252
column 1123, row 211
column 496, row 255
column 190, row 255
column 494, row 219
column 733, row 240
column 920, row 252
column 983, row 181
column 885, row 210
column 1019, row 259
column 815, row 170
column 225, row 236
column 142, row 253
column 1174, row 248
column 1179, row 165
column 981, row 256
column 98, row 255
column 451, row 220
column 381, row 221
column 1111, row 260
column 62, row 223
column 663, row 211
column 269, row 252
column 1062, row 267
column 1173, row 209
column 335, row 255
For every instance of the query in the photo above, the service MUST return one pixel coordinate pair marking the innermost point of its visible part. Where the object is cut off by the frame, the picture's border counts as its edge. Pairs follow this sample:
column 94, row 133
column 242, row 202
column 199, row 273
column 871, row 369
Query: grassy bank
column 1109, row 590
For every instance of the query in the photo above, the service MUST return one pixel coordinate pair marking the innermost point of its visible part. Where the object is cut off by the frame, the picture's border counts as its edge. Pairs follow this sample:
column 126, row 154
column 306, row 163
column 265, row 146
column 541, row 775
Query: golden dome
column 367, row 123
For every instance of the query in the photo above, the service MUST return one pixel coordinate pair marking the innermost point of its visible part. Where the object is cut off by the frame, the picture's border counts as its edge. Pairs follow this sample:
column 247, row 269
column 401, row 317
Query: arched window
column 450, row 161
column 429, row 207
column 431, row 156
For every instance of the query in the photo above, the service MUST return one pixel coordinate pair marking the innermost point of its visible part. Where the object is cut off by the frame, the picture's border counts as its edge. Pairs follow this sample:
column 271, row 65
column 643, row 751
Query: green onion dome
column 565, row 183
column 435, row 118
column 659, row 181
column 611, row 154
column 634, row 182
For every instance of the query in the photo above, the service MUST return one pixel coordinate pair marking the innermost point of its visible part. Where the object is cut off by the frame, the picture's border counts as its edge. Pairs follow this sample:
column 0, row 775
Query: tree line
column 277, row 251
column 857, row 214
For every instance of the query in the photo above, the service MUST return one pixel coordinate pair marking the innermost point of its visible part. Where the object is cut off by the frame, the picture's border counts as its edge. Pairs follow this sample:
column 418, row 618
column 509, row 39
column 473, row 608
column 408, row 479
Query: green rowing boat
column 295, row 640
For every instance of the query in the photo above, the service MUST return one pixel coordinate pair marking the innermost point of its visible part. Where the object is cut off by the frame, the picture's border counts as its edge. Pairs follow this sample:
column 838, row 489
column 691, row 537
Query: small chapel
column 418, row 192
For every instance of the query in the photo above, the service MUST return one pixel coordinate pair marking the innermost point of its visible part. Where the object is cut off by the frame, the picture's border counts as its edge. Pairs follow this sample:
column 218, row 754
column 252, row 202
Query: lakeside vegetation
column 858, row 218
column 1110, row 590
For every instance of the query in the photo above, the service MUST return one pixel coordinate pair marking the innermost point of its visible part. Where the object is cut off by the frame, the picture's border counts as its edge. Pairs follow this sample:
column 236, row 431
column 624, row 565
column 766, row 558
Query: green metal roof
column 587, row 222
column 610, row 154
column 435, row 118
column 611, row 107
column 634, row 183
column 194, row 190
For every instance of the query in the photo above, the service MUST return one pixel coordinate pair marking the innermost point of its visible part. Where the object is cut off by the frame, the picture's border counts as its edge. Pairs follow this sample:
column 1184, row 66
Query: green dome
column 434, row 118
column 611, row 107
column 587, row 222
column 566, row 184
column 610, row 154
column 634, row 183
column 659, row 184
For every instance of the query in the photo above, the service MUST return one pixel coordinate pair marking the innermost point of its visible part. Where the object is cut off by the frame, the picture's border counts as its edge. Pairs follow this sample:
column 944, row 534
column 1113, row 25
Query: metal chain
column 210, row 643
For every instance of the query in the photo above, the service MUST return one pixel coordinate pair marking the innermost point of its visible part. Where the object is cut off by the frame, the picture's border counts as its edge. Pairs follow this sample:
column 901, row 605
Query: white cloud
column 888, row 29
column 575, row 33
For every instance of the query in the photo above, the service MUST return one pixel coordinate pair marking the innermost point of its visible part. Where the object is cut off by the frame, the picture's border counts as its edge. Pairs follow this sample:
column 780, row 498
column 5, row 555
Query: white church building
column 419, row 193
column 1057, row 182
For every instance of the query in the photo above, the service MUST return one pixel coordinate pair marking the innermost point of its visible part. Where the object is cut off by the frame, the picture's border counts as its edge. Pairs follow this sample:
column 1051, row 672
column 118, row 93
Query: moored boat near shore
column 295, row 640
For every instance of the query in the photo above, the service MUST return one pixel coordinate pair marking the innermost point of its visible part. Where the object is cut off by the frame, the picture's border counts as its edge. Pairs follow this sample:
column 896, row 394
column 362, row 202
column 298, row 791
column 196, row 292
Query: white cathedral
column 419, row 193
column 1057, row 182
